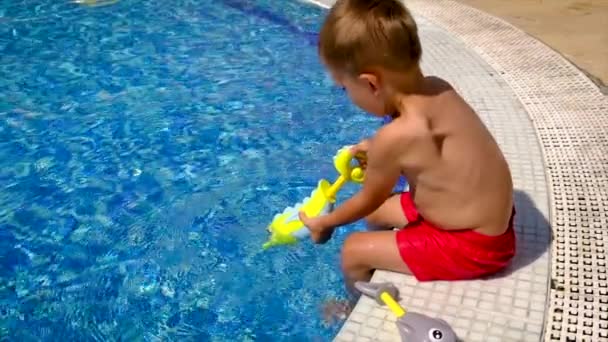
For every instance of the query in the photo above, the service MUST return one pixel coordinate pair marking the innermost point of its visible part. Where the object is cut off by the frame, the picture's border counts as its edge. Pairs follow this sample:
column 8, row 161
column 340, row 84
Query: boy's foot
column 336, row 310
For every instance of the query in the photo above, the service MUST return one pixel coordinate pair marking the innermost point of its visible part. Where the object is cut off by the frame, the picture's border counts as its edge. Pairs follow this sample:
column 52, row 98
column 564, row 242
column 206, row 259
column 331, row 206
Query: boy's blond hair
column 362, row 34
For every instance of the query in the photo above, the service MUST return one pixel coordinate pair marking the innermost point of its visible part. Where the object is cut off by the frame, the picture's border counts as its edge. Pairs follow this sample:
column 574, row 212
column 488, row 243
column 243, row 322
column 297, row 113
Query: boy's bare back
column 457, row 174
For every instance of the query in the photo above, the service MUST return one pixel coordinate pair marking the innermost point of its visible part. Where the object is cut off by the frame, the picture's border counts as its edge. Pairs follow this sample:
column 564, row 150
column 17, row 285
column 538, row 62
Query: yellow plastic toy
column 286, row 227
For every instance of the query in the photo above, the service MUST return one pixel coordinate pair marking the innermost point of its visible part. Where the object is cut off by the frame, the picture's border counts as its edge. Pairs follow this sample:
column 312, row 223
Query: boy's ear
column 372, row 81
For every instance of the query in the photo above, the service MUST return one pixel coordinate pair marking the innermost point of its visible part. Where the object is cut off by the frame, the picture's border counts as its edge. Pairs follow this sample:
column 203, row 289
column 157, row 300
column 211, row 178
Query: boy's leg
column 364, row 252
column 388, row 216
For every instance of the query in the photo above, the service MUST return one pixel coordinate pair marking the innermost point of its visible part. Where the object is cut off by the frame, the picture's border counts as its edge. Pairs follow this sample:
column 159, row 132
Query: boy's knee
column 376, row 221
column 352, row 251
column 388, row 216
column 373, row 219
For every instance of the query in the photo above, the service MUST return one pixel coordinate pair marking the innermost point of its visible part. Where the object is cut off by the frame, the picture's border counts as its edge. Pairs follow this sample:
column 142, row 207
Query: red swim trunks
column 432, row 253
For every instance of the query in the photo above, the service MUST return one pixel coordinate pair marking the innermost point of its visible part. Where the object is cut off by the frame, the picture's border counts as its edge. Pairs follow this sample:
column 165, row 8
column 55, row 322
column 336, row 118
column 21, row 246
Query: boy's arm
column 381, row 175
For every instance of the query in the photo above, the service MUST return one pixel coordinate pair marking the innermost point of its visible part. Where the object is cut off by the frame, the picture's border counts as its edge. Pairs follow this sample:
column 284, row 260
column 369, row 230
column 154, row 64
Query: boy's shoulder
column 443, row 102
column 439, row 84
column 439, row 90
column 401, row 133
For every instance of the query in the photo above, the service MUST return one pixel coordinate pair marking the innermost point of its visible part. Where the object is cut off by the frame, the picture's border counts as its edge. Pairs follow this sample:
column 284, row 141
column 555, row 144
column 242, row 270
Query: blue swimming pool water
column 144, row 147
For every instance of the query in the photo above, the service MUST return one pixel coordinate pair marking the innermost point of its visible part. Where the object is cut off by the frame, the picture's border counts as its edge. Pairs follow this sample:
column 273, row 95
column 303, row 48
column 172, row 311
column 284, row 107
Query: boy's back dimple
column 467, row 184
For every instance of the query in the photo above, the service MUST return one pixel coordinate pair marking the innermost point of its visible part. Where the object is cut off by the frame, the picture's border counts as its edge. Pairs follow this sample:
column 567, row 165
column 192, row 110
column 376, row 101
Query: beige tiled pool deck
column 552, row 123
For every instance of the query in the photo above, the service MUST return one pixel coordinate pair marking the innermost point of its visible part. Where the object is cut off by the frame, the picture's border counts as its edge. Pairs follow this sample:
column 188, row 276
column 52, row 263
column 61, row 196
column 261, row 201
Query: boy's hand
column 360, row 152
column 319, row 233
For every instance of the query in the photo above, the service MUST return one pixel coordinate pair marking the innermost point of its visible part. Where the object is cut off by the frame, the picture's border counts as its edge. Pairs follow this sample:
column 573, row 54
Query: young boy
column 457, row 217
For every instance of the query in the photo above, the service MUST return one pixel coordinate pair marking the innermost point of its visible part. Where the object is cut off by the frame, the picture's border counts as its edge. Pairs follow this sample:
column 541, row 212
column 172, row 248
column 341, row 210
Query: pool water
column 144, row 147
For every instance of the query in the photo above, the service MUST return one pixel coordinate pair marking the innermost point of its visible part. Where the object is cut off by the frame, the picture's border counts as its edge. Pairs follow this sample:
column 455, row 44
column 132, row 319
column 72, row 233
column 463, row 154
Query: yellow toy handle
column 334, row 188
column 392, row 304
column 342, row 163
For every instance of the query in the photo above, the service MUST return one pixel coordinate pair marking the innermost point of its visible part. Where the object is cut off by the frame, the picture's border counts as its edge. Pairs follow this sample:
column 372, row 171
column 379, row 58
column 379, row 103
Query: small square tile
column 514, row 334
column 491, row 289
column 528, row 337
column 517, row 324
column 455, row 300
column 523, row 294
column 345, row 337
column 525, row 276
column 388, row 325
column 386, row 337
column 538, row 302
column 418, row 302
column 470, row 302
column 496, row 329
column 467, row 313
column 489, row 297
column 439, row 297
column 534, row 328
column 357, row 317
column 422, row 293
column 506, row 291
column 476, row 337
column 520, row 303
column 367, row 332
column 536, row 316
column 505, row 309
column 435, row 307
column 479, row 326
column 442, row 287
column 452, row 310
column 462, row 323
column 410, row 281
column 476, row 285
column 351, row 327
column 456, row 290
column 379, row 313
column 500, row 320
column 519, row 312
column 486, row 306
column 374, row 322
column 364, row 308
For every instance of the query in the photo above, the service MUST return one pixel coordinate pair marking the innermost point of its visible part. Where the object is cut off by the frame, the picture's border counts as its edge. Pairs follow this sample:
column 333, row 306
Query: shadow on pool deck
column 533, row 232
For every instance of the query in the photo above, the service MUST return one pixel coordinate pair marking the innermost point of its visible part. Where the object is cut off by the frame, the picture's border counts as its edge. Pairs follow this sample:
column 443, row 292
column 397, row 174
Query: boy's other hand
column 319, row 233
